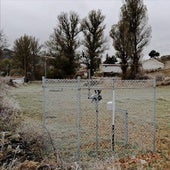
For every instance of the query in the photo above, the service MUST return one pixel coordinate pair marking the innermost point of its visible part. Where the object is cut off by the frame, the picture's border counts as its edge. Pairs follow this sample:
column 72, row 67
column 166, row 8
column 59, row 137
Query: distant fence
column 80, row 125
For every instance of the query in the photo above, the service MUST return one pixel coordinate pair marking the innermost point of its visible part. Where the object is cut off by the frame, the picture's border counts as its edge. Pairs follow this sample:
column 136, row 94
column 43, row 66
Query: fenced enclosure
column 81, row 127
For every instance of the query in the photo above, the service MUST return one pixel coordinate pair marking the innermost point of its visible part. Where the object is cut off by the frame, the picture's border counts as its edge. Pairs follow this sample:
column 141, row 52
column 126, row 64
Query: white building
column 110, row 68
column 152, row 64
column 147, row 65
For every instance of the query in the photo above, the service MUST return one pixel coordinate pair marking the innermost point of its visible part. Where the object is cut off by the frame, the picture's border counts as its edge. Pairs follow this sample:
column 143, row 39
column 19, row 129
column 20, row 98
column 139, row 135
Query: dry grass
column 29, row 98
column 9, row 109
column 163, row 73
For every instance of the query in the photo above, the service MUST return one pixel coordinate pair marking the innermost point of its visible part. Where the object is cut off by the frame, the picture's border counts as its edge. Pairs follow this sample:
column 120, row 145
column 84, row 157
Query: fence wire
column 76, row 116
column 137, row 98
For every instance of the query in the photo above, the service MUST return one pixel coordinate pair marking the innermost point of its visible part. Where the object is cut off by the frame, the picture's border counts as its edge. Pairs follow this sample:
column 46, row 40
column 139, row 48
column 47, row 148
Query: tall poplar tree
column 136, row 33
column 26, row 50
column 94, row 41
column 121, row 43
column 63, row 44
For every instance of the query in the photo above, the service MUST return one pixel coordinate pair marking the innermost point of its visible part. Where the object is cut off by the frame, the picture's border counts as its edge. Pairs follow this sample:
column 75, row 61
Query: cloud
column 39, row 17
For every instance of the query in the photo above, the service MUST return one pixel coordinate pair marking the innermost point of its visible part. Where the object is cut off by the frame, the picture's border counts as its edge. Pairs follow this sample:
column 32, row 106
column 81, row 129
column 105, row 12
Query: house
column 83, row 73
column 152, row 64
column 110, row 69
column 7, row 53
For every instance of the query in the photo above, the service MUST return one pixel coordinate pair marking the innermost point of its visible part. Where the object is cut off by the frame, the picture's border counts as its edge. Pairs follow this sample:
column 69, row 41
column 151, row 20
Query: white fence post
column 113, row 117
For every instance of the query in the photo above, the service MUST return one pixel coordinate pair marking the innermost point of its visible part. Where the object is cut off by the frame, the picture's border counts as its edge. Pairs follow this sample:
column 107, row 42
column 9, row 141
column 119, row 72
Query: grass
column 29, row 98
column 163, row 123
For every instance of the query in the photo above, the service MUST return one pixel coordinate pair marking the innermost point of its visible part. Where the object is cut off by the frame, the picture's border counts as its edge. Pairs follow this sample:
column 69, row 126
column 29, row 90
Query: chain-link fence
column 81, row 125
column 137, row 99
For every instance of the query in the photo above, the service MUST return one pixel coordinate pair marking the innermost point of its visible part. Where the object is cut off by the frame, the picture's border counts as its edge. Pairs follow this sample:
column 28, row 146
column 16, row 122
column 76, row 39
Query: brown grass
column 29, row 98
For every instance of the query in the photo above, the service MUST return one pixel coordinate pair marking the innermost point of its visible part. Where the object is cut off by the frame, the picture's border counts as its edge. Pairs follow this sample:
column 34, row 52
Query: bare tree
column 3, row 43
column 94, row 40
column 136, row 32
column 26, row 50
column 119, row 34
column 63, row 44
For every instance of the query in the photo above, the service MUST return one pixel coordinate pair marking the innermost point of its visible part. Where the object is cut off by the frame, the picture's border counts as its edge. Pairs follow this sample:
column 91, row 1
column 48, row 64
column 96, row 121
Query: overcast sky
column 38, row 18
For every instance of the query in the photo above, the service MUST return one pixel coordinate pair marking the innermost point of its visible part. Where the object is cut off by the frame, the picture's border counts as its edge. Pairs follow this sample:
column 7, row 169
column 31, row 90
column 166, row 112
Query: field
column 30, row 100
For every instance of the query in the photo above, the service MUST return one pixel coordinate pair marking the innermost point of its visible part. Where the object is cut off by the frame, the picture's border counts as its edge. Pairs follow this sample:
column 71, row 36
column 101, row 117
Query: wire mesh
column 96, row 119
column 80, row 125
column 137, row 97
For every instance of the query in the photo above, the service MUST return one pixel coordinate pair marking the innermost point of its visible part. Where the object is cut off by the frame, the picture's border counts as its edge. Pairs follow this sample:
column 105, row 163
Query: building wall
column 152, row 64
column 110, row 68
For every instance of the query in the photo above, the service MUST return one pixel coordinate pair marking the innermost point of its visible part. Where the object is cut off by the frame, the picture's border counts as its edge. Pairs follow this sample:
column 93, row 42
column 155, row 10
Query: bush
column 9, row 109
column 17, row 72
column 33, row 134
column 159, row 77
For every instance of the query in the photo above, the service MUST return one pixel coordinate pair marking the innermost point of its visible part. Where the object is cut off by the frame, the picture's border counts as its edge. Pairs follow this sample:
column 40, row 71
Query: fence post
column 154, row 112
column 89, row 84
column 97, row 125
column 126, row 128
column 43, row 103
column 113, row 117
column 78, row 116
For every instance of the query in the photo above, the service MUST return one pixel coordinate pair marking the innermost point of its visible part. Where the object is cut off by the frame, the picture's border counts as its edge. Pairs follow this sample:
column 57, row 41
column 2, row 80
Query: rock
column 143, row 162
column 29, row 165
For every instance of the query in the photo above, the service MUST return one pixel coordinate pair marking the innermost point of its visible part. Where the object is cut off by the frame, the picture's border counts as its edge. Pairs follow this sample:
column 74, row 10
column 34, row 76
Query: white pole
column 113, row 119
column 43, row 103
column 89, row 83
column 45, row 67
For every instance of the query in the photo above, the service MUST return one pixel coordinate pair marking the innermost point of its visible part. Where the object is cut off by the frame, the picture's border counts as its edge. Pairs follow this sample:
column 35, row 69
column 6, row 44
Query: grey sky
column 38, row 18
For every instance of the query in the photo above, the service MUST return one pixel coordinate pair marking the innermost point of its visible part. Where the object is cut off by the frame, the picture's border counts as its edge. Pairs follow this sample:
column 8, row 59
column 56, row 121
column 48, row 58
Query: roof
column 110, row 64
column 152, row 64
column 152, row 59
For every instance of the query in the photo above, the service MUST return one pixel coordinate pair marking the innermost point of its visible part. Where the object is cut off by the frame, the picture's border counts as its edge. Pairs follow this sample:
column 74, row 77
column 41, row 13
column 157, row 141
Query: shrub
column 9, row 109
column 17, row 72
column 159, row 77
column 32, row 133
